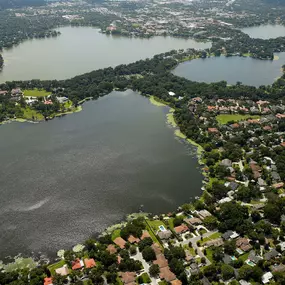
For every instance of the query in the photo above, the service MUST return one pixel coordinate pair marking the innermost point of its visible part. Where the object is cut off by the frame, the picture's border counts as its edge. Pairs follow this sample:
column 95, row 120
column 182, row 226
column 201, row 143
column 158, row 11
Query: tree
column 211, row 222
column 227, row 271
column 272, row 213
column 154, row 270
column 230, row 247
column 245, row 272
column 145, row 242
column 148, row 254
column 218, row 254
column 177, row 221
column 176, row 266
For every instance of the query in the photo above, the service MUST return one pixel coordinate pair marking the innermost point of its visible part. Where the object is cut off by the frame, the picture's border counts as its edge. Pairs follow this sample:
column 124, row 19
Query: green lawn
column 155, row 224
column 36, row 92
column 116, row 233
column 209, row 254
column 144, row 278
column 54, row 266
column 225, row 118
column 244, row 257
column 213, row 236
column 150, row 231
column 30, row 114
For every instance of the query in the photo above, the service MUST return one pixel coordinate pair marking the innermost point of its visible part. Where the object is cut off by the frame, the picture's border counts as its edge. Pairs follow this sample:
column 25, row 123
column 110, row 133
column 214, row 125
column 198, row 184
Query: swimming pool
column 190, row 217
column 162, row 228
column 249, row 262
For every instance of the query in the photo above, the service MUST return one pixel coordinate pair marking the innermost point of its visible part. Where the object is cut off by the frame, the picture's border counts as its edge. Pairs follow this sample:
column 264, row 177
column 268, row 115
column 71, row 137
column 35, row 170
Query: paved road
column 194, row 241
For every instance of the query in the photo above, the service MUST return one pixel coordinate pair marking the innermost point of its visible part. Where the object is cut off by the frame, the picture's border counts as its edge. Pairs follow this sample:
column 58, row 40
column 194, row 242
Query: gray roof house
column 226, row 162
column 165, row 234
column 271, row 254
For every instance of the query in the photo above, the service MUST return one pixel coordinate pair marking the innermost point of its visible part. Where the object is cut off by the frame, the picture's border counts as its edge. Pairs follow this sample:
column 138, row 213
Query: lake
column 265, row 31
column 247, row 70
column 64, row 180
column 82, row 49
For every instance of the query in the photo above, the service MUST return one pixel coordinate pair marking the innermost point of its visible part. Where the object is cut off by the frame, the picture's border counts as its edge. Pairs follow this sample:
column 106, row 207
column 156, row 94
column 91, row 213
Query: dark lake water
column 82, row 49
column 247, row 70
column 64, row 180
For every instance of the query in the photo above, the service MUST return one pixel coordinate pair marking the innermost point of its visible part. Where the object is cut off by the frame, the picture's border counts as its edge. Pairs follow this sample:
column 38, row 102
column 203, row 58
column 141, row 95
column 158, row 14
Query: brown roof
column 255, row 167
column 256, row 174
column 278, row 185
column 156, row 248
column 193, row 221
column 128, row 277
column 120, row 242
column 241, row 241
column 145, row 235
column 89, row 263
column 245, row 247
column 267, row 128
column 181, row 229
column 282, row 144
column 176, row 282
column 213, row 130
column 132, row 239
column 214, row 242
column 161, row 261
column 235, row 125
column 188, row 255
column 111, row 248
column 166, row 274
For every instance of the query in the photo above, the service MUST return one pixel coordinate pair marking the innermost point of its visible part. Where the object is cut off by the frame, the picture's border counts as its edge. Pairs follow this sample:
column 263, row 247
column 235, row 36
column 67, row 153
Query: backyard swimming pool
column 162, row 228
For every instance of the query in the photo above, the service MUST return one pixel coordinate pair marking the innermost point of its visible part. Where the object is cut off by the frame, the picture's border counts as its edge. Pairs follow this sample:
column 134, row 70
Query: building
column 89, row 263
column 111, row 248
column 77, row 264
column 128, row 277
column 145, row 234
column 266, row 277
column 132, row 239
column 48, row 281
column 63, row 271
column 164, row 234
column 120, row 242
column 181, row 229
column 166, row 274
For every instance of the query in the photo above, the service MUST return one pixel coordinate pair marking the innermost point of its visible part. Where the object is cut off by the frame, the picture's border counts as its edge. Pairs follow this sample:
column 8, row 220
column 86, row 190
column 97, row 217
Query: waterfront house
column 77, row 264
column 89, row 262
column 63, row 271
column 120, row 242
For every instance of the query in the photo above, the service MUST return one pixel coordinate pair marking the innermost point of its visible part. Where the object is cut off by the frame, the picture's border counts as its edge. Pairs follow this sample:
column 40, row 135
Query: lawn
column 155, row 224
column 36, row 92
column 150, row 231
column 54, row 266
column 30, row 114
column 244, row 257
column 116, row 233
column 225, row 118
column 213, row 236
column 209, row 254
column 143, row 279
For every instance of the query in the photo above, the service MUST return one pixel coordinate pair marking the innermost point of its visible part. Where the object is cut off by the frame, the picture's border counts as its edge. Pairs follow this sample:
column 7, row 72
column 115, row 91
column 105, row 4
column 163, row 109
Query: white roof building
column 170, row 93
column 266, row 277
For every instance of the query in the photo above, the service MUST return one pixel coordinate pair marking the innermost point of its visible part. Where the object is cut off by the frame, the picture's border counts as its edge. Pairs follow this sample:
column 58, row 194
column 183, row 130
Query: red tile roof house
column 156, row 248
column 89, row 263
column 176, row 282
column 132, row 239
column 145, row 235
column 128, row 277
column 161, row 261
column 280, row 116
column 166, row 274
column 213, row 130
column 3, row 92
column 120, row 242
column 111, row 248
column 181, row 229
column 48, row 281
column 77, row 264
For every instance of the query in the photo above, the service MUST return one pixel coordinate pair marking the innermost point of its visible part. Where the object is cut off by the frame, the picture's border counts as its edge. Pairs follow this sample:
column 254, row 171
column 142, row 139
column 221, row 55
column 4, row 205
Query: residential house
column 226, row 162
column 213, row 130
column 120, row 242
column 243, row 244
column 275, row 176
column 89, row 262
column 62, row 100
column 156, row 248
column 3, row 92
column 77, row 264
column 176, row 282
column 128, row 278
column 48, row 281
column 278, row 185
column 111, row 248
column 132, row 239
column 193, row 221
column 214, row 242
column 145, row 234
column 63, row 271
column 163, row 235
column 166, row 274
column 271, row 254
column 181, row 229
column 227, row 235
column 161, row 261
column 203, row 214
column 278, row 268
column 266, row 277
column 188, row 255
